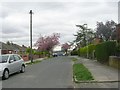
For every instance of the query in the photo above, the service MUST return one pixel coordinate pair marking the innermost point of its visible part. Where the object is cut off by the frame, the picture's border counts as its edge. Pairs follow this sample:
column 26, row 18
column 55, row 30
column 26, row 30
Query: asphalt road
column 51, row 73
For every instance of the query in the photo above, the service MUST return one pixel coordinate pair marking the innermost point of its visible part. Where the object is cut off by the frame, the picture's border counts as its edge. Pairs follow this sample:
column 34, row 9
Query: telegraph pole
column 31, row 55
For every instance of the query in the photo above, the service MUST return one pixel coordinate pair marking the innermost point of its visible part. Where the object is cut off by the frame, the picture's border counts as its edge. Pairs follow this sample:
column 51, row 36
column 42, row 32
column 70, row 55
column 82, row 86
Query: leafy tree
column 84, row 36
column 106, row 31
column 65, row 47
column 8, row 42
column 28, row 50
column 46, row 43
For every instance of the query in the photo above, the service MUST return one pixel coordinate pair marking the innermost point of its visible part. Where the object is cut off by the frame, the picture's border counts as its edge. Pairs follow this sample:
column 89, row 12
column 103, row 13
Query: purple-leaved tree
column 46, row 43
column 65, row 47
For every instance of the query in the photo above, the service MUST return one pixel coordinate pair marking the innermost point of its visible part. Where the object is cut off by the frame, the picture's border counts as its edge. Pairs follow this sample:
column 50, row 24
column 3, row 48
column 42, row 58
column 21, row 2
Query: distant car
column 9, row 64
column 54, row 54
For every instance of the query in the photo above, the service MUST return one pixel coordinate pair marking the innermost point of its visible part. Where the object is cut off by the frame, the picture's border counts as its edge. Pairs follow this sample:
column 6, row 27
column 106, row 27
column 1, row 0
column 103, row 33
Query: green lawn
column 81, row 73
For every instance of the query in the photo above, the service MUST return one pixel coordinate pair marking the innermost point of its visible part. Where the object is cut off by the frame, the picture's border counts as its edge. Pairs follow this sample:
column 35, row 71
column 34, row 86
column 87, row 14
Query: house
column 118, row 32
column 9, row 48
column 97, row 40
column 57, row 50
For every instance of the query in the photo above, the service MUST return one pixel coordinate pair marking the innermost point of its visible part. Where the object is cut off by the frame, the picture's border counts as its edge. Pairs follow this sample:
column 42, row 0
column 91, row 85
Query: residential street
column 57, row 73
column 60, row 44
column 50, row 73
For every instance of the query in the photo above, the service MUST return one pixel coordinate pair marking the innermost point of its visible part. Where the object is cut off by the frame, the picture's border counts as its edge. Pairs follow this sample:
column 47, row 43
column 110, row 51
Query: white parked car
column 9, row 64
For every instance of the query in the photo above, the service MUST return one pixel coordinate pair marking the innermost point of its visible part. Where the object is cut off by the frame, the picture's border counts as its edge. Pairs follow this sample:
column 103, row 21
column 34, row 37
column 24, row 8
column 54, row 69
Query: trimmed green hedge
column 87, row 49
column 104, row 50
column 91, row 50
column 41, row 53
column 83, row 51
column 101, row 51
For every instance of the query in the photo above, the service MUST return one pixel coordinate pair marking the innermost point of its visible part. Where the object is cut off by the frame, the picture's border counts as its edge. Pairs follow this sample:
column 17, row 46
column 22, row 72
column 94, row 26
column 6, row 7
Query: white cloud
column 50, row 17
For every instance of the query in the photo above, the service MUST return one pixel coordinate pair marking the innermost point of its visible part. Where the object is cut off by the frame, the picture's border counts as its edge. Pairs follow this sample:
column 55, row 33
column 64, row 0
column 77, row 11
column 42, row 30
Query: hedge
column 83, row 51
column 104, row 50
column 38, row 53
column 91, row 50
column 87, row 50
column 45, row 53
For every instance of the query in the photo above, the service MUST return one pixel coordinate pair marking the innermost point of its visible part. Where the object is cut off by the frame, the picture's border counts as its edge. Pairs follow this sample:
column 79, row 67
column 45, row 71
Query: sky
column 52, row 16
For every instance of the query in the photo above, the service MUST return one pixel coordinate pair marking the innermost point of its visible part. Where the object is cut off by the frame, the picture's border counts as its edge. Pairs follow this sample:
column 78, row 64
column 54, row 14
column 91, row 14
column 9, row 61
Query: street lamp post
column 31, row 56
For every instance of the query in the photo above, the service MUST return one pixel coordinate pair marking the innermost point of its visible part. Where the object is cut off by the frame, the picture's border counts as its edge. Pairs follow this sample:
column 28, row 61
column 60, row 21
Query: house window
column 10, row 52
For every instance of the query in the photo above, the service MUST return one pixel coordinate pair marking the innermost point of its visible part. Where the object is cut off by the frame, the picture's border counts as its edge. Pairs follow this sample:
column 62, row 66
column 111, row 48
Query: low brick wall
column 27, row 58
column 35, row 56
column 114, row 61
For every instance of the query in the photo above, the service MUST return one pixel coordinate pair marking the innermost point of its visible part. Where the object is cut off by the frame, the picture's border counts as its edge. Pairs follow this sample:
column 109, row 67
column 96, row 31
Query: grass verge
column 74, row 59
column 81, row 73
column 34, row 62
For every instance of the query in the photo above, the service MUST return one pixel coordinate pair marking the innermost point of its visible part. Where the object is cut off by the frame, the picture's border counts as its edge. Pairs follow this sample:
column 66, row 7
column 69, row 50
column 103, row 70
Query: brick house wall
column 118, row 32
column 7, row 51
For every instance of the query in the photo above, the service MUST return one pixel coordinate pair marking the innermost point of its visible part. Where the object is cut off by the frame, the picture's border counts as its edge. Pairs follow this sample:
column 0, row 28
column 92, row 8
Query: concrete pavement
column 106, row 76
column 39, row 59
column 99, row 71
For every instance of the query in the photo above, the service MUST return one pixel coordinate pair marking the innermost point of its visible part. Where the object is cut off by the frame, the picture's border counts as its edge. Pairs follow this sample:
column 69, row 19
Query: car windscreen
column 3, row 59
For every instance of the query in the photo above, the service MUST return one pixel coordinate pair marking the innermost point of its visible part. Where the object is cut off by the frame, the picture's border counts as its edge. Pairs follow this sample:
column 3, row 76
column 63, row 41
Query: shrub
column 91, row 50
column 83, row 51
column 87, row 50
column 42, row 53
column 28, row 51
column 104, row 50
column 74, row 52
column 37, row 53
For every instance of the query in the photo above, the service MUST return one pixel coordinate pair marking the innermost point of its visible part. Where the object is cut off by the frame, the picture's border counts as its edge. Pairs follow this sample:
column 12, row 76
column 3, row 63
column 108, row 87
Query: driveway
column 51, row 73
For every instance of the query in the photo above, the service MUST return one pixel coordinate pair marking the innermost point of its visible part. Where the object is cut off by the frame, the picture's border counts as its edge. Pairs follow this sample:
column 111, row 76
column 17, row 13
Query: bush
column 42, row 53
column 83, row 51
column 37, row 53
column 104, row 50
column 28, row 51
column 74, row 52
column 91, row 50
column 87, row 50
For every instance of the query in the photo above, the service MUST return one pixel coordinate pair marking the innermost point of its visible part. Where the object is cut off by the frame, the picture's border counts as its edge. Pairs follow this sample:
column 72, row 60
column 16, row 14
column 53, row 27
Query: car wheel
column 5, row 74
column 22, row 69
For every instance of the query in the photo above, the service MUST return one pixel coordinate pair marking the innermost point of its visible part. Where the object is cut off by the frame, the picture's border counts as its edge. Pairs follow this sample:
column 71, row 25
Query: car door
column 18, row 62
column 12, row 64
